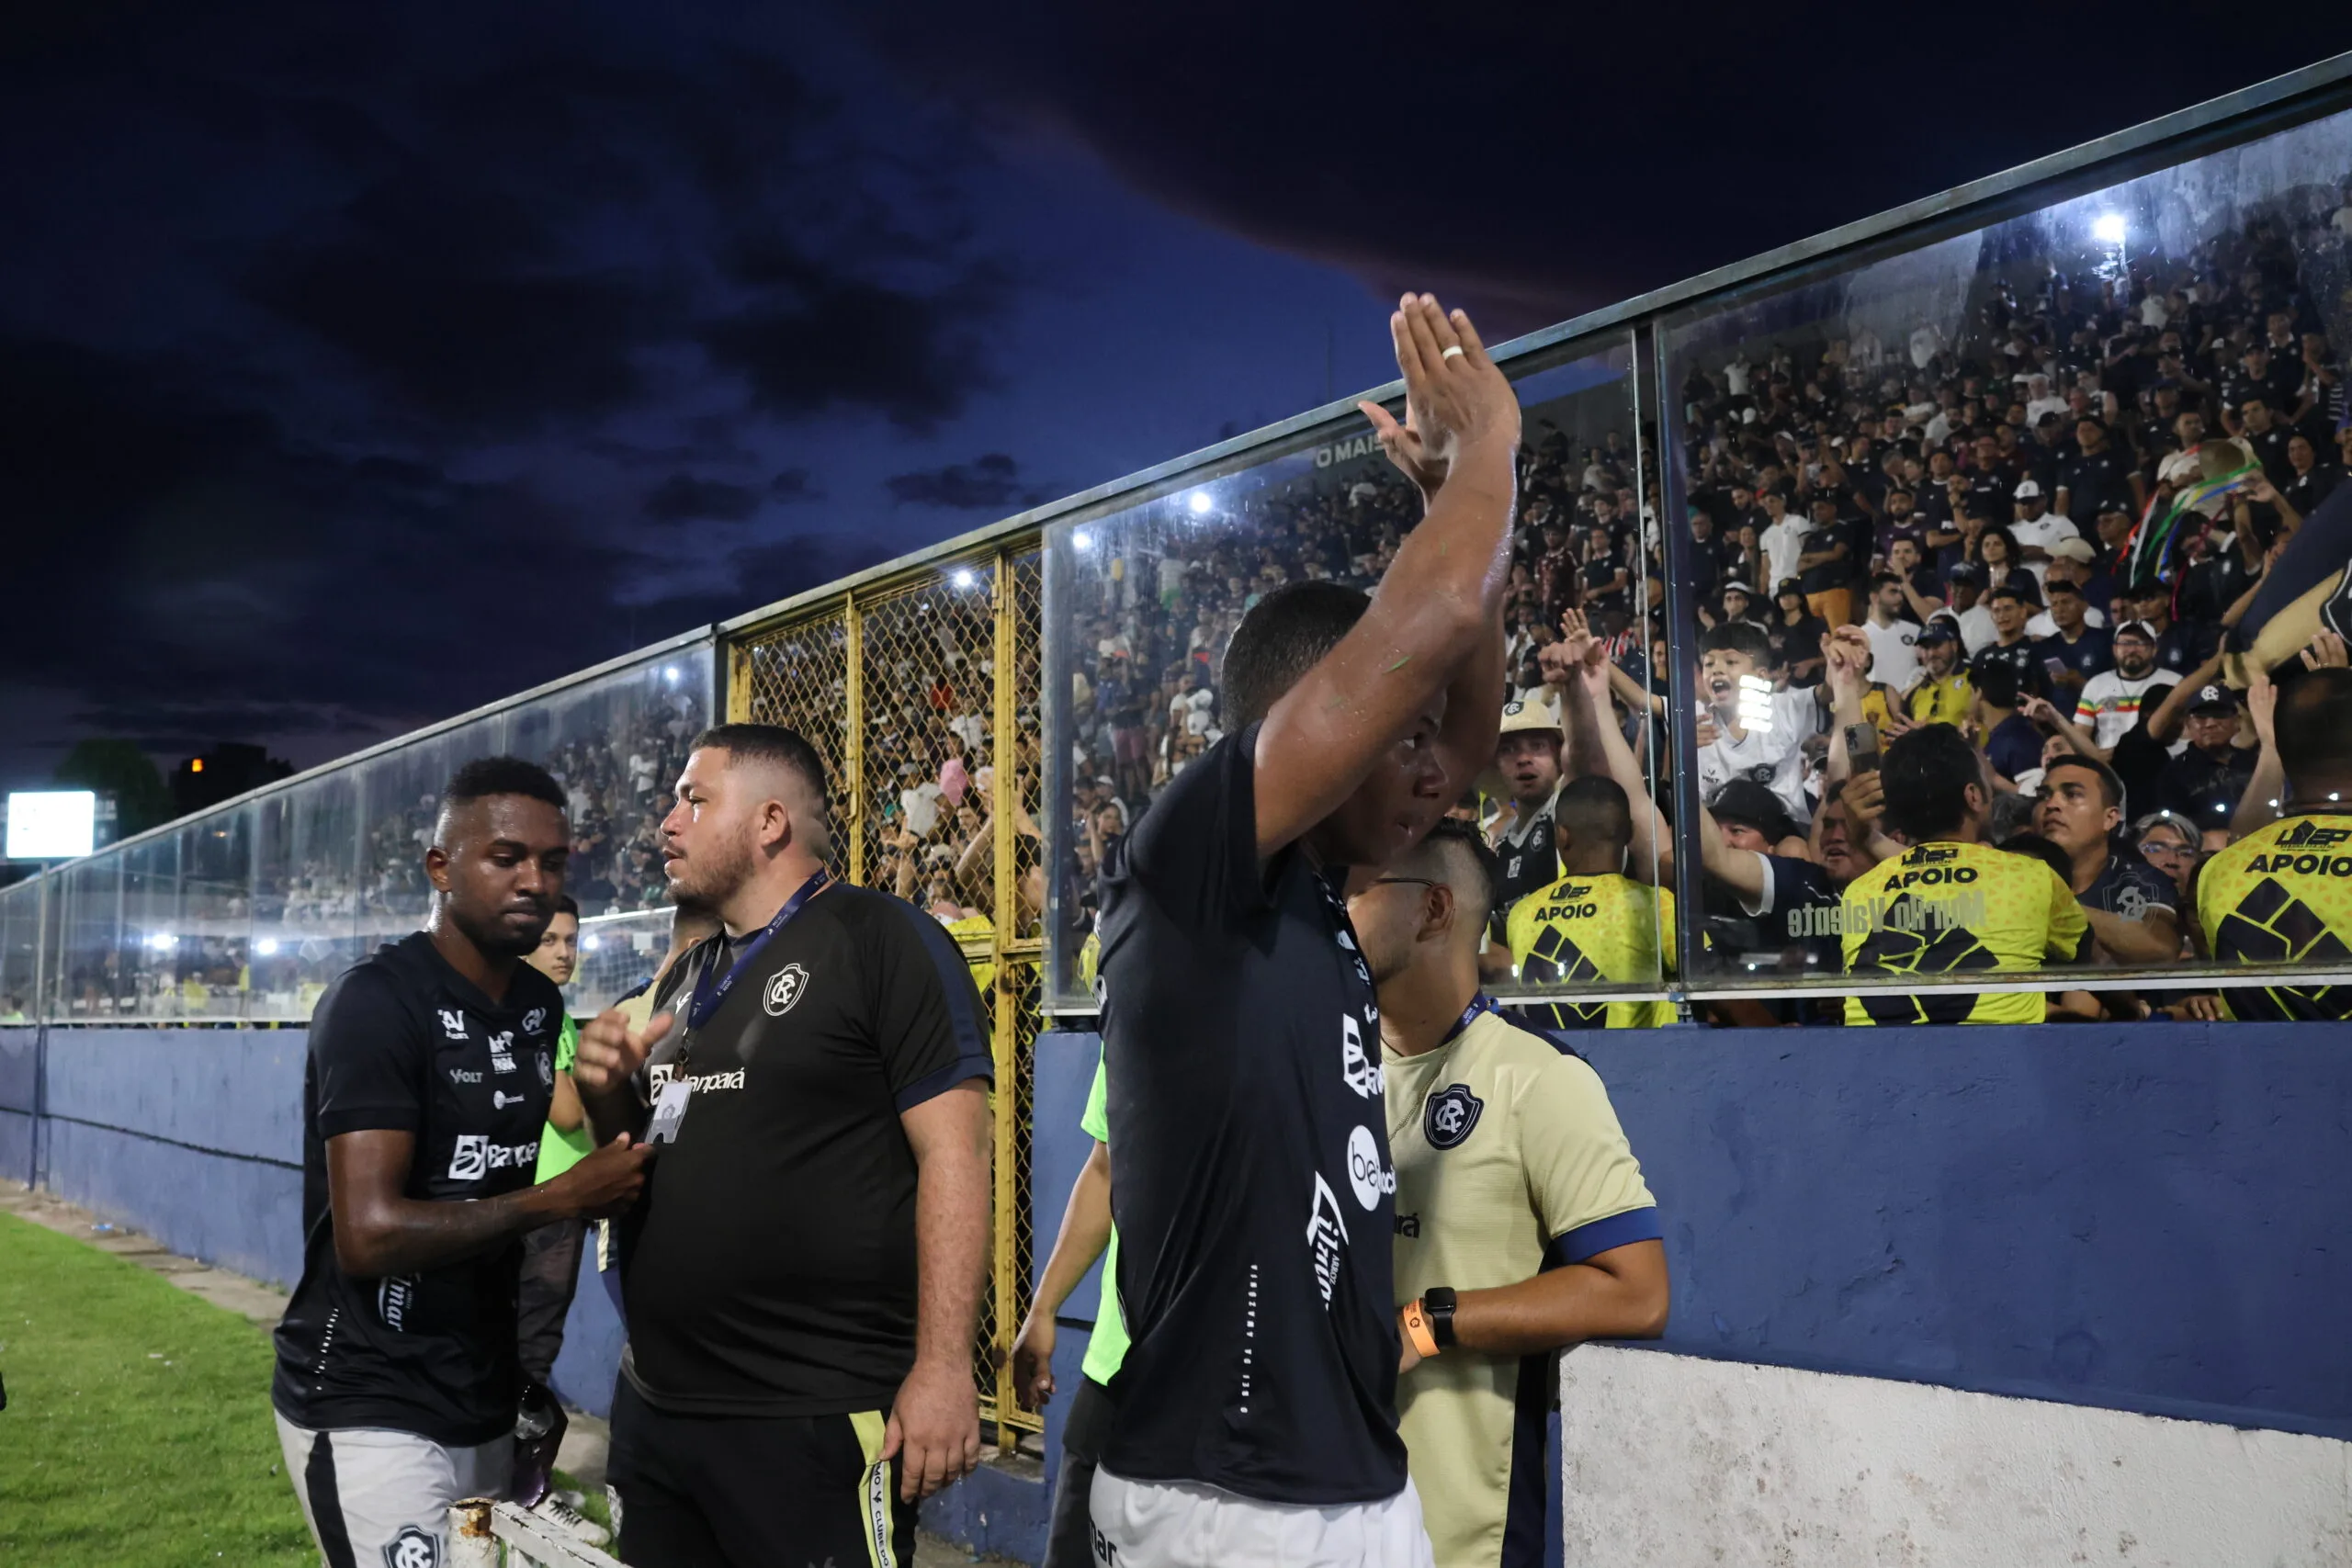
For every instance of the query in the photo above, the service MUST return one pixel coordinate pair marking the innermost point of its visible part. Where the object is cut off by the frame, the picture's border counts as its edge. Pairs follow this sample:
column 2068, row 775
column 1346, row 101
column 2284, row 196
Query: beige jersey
column 1509, row 1161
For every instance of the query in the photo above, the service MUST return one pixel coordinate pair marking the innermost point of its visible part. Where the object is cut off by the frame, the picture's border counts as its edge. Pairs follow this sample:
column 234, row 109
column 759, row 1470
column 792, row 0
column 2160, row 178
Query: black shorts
column 1069, row 1534
column 748, row 1490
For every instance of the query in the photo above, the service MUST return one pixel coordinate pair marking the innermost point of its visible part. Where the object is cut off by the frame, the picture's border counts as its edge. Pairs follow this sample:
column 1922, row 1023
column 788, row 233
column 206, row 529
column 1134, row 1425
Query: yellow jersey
column 2282, row 895
column 1947, row 908
column 1611, row 929
column 1947, row 701
column 1510, row 1160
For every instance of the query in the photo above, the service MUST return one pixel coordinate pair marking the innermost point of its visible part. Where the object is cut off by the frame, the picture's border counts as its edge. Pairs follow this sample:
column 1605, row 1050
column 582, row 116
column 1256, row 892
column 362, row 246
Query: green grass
column 138, row 1429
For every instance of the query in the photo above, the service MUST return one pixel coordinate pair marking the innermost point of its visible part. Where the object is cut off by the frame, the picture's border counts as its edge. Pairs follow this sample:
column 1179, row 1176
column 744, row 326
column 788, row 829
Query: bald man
column 803, row 1282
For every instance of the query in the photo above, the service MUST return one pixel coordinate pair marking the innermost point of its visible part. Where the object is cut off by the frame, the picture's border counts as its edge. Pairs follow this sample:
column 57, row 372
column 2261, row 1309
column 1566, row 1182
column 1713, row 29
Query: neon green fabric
column 1108, row 1347
column 559, row 1152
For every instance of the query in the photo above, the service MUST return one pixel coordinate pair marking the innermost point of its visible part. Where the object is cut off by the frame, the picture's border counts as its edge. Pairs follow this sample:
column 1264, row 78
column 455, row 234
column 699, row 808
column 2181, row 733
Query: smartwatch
column 1437, row 1303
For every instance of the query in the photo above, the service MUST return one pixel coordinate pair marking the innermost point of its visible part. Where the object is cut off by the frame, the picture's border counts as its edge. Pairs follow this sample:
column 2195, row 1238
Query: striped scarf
column 2148, row 552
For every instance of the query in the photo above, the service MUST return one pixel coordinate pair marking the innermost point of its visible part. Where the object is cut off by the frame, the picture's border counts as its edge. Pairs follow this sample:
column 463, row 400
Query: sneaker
column 571, row 1521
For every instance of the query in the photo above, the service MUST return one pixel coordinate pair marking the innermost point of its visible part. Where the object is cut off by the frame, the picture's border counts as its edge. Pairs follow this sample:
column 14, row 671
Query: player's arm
column 1617, row 1294
column 1437, row 617
column 564, row 1111
column 2258, row 807
column 1086, row 1231
column 380, row 1230
column 1592, row 742
column 1745, row 872
column 2079, row 737
column 935, row 1418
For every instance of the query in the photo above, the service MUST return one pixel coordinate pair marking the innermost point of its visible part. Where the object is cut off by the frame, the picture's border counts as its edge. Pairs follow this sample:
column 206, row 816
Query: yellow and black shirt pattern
column 1949, row 908
column 2282, row 895
column 1607, row 929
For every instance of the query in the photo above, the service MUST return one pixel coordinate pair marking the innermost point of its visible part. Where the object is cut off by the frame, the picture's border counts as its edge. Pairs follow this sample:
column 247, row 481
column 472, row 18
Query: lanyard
column 707, row 997
column 1478, row 1004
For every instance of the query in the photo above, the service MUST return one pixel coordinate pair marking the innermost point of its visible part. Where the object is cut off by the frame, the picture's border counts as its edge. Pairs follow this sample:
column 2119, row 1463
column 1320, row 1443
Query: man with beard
column 803, row 1281
column 1943, row 695
column 1523, row 1222
column 2214, row 770
column 2111, row 701
column 424, row 1095
column 2130, row 904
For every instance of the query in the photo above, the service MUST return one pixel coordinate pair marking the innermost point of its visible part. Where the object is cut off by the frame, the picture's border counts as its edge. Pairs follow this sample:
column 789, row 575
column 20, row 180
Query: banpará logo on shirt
column 475, row 1157
column 700, row 1083
column 1449, row 1115
column 453, row 1022
column 785, row 990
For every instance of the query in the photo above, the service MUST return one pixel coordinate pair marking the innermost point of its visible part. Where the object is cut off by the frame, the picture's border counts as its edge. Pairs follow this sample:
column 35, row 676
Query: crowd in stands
column 1919, row 550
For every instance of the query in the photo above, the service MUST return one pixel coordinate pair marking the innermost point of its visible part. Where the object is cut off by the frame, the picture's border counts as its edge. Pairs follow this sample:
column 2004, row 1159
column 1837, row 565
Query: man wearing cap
column 1943, row 694
column 1965, row 583
column 1527, row 755
column 1742, row 834
column 2037, row 528
column 2070, row 561
column 2214, row 769
column 2109, row 706
column 2181, row 645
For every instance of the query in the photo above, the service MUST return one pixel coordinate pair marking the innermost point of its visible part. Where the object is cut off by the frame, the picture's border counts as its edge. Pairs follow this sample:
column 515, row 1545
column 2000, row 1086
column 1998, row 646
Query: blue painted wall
column 2150, row 1218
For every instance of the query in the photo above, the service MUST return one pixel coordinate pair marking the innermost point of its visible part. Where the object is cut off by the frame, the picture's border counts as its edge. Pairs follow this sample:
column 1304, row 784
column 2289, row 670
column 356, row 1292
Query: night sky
column 360, row 364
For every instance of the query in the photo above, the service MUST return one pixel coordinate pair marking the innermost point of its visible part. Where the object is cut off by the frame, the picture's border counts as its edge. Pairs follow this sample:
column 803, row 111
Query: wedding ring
column 1451, row 351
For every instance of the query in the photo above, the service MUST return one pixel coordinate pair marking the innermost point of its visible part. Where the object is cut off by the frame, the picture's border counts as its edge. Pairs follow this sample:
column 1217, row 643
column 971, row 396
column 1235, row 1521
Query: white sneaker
column 571, row 1521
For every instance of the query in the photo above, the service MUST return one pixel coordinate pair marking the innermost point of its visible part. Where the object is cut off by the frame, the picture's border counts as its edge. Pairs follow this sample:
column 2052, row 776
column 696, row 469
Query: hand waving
column 1452, row 398
column 610, row 1052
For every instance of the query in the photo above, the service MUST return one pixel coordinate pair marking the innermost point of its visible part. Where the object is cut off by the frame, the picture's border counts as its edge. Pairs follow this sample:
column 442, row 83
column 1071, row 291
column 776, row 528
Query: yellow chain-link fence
column 909, row 688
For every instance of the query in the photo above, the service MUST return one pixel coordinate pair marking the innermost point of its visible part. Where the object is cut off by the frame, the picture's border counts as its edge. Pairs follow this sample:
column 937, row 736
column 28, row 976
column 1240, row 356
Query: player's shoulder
column 1506, row 1054
column 398, row 978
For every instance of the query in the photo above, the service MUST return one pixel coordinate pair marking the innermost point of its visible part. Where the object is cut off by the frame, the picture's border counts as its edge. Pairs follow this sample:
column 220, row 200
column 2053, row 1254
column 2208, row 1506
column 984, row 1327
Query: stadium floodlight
column 162, row 941
column 1756, row 704
column 266, row 947
column 590, row 943
column 51, row 823
column 670, row 673
column 964, row 578
column 1082, row 540
column 1201, row 503
column 2108, row 229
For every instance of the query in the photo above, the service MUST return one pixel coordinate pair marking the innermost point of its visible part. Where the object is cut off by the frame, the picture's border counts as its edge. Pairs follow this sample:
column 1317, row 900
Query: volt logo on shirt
column 1362, row 1072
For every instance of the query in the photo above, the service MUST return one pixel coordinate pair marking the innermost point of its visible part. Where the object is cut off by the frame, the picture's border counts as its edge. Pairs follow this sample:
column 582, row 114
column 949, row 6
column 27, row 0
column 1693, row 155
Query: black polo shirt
column 770, row 1270
column 1250, row 1170
column 404, row 1042
column 1528, row 858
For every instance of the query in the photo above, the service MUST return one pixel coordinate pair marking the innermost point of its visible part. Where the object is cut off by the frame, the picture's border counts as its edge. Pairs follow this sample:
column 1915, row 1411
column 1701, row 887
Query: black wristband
column 1437, row 1301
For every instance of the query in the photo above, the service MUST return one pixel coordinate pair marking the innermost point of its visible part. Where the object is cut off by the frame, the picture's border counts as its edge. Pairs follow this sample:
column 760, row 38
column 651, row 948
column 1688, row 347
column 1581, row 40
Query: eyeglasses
column 1413, row 881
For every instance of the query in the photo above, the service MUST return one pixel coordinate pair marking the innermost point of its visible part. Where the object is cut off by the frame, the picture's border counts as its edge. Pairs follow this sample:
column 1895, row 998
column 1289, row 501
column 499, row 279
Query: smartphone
column 1861, row 748
column 2057, row 668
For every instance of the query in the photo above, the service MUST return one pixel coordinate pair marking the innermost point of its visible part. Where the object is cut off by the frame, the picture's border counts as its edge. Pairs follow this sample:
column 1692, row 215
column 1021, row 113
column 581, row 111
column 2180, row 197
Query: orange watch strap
column 1416, row 1328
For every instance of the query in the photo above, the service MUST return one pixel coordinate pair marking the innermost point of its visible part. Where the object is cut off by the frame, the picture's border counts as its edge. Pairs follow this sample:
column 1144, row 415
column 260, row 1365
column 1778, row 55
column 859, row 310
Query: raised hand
column 2326, row 652
column 610, row 1052
column 2262, row 707
column 1453, row 394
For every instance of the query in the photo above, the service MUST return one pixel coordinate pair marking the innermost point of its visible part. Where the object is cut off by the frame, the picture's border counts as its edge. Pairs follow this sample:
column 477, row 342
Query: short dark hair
column 2006, row 591
column 1739, row 637
column 2110, row 787
column 1461, row 849
column 487, row 776
column 1283, row 636
column 2314, row 722
column 768, row 743
column 1887, row 579
column 1594, row 808
column 565, row 904
column 1997, row 682
column 1926, row 774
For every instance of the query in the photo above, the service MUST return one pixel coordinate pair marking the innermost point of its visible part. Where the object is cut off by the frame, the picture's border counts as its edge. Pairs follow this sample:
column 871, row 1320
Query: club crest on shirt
column 545, row 1061
column 412, row 1549
column 1449, row 1116
column 785, row 991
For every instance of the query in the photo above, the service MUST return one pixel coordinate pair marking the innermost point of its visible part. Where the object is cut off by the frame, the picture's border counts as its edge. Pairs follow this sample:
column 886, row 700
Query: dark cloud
column 795, row 484
column 989, row 483
column 683, row 498
column 1546, row 159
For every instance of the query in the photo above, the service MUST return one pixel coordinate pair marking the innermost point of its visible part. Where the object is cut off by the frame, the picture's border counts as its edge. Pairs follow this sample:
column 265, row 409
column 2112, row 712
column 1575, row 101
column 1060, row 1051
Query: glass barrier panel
column 2018, row 513
column 1143, row 601
column 89, row 975
column 399, row 792
column 19, row 951
column 618, row 953
column 617, row 745
column 305, row 894
column 213, row 953
column 148, row 941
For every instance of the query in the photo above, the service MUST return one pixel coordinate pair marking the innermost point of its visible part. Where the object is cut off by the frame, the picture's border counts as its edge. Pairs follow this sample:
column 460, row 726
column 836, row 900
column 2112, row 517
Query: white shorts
column 1154, row 1524
column 372, row 1495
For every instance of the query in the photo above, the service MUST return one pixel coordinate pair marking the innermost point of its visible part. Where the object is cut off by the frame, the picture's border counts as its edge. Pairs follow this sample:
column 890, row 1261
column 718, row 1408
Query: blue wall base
column 994, row 1513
